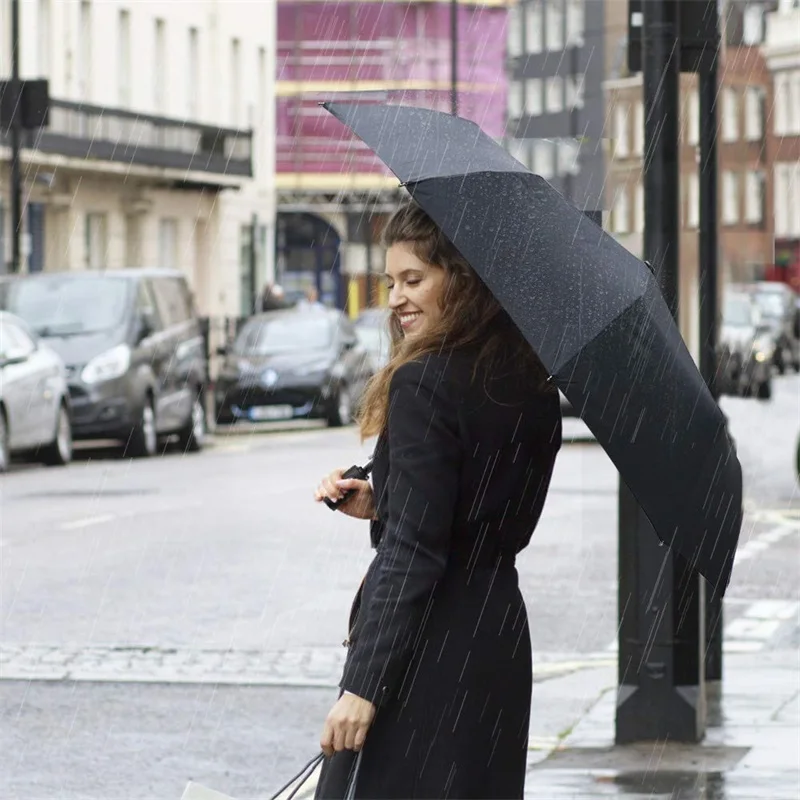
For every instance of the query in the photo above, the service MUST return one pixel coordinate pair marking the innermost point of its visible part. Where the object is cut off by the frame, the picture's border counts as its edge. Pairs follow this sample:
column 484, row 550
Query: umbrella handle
column 303, row 775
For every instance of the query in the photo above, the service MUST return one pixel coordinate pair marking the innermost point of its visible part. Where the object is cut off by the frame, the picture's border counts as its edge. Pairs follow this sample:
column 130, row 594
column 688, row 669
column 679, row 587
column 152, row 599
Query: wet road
column 220, row 565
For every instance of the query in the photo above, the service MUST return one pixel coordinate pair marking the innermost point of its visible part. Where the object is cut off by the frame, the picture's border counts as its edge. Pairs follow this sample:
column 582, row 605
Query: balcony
column 97, row 133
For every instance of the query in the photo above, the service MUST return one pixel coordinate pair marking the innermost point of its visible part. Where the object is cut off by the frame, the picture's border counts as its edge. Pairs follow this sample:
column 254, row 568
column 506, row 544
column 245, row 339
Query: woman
column 437, row 681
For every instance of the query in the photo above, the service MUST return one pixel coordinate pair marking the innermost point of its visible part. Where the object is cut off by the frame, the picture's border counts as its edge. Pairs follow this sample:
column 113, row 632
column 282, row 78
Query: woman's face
column 416, row 289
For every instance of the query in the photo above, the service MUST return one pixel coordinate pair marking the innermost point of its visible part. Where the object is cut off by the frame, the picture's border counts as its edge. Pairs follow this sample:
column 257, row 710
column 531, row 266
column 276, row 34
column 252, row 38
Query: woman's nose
column 395, row 297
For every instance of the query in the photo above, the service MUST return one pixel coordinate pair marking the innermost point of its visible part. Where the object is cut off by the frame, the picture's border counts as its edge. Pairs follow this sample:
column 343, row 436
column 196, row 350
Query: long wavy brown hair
column 471, row 318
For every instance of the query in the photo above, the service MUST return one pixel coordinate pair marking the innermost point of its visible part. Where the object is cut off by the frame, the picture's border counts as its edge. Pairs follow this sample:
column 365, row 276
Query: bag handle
column 306, row 772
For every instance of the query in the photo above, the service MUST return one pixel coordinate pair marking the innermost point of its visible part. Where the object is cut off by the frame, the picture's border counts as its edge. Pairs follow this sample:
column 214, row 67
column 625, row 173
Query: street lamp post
column 15, row 131
column 454, row 57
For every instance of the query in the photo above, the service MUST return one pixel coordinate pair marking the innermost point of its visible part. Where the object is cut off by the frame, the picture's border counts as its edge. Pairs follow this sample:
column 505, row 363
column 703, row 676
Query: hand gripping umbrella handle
column 360, row 473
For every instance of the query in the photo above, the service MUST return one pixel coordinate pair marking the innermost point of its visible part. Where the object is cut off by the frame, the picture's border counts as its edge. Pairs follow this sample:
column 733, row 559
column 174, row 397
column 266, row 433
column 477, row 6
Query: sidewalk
column 751, row 750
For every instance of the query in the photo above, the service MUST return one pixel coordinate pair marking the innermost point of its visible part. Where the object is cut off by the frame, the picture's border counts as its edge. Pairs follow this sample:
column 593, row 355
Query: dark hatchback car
column 298, row 363
column 133, row 348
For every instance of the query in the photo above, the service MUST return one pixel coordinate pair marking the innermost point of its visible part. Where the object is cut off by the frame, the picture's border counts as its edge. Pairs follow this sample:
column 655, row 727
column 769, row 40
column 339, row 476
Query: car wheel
column 765, row 390
column 59, row 452
column 143, row 441
column 5, row 448
column 193, row 436
column 341, row 412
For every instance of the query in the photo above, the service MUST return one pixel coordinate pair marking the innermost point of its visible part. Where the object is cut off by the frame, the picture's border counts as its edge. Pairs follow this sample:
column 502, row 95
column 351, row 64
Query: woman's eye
column 413, row 282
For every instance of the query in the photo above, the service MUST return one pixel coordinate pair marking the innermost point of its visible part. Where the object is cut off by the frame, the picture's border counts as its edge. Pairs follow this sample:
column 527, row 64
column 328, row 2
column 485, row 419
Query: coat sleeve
column 424, row 465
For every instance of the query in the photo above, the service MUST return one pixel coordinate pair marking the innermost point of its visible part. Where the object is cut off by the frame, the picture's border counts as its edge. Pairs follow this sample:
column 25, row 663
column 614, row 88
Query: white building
column 781, row 50
column 160, row 144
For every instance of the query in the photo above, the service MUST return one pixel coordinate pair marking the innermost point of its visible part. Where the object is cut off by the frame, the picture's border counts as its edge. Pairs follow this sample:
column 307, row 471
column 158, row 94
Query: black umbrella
column 593, row 312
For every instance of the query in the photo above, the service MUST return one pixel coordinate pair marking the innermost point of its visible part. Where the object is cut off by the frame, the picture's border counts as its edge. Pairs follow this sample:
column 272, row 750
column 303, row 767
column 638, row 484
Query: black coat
column 439, row 638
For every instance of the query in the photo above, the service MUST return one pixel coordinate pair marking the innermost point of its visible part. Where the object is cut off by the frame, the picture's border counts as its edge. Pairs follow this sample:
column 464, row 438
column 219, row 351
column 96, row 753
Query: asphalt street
column 181, row 618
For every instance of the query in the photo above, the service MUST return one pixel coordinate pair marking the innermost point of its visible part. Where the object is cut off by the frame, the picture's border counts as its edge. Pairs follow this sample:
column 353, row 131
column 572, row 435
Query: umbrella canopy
column 593, row 312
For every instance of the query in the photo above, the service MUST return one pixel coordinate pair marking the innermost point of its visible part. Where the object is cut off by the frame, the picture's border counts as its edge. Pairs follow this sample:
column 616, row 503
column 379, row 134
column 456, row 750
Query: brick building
column 745, row 179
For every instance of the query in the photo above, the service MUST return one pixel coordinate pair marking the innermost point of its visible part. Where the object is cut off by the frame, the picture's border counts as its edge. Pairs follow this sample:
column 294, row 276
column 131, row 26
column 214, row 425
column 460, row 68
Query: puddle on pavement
column 668, row 784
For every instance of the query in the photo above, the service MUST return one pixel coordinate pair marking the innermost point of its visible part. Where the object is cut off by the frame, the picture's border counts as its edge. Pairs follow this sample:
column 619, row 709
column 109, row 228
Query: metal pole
column 367, row 222
column 661, row 688
column 454, row 57
column 15, row 87
column 573, row 117
column 253, row 263
column 708, row 279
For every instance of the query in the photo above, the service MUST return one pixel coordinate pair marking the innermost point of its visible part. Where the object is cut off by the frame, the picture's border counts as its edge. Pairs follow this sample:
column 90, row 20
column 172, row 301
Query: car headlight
column 107, row 366
column 763, row 349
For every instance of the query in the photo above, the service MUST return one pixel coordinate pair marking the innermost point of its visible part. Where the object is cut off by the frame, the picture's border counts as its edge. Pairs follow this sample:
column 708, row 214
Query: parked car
column 34, row 398
column 372, row 329
column 299, row 363
column 746, row 348
column 133, row 347
column 778, row 305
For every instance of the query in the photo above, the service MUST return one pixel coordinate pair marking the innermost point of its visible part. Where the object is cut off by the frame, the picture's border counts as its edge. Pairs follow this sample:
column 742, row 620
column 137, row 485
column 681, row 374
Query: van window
column 68, row 305
column 145, row 304
column 173, row 301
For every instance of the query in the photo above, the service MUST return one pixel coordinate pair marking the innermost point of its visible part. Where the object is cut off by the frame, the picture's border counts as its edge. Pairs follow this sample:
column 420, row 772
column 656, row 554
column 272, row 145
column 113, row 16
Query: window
column 168, row 244
column 146, row 306
column 638, row 209
column 193, row 75
column 730, row 115
column 783, row 101
column 95, row 241
column 621, row 211
column 575, row 23
column 133, row 240
column 85, row 52
column 753, row 25
column 693, row 201
column 574, row 87
column 235, row 87
column 621, row 145
column 533, row 97
column 754, row 198
column 567, row 158
column 45, row 39
column 173, row 301
column 533, row 27
column 543, row 159
column 124, row 59
column 730, row 198
column 515, row 100
column 753, row 114
column 555, row 25
column 782, row 199
column 160, row 76
column 514, row 31
column 694, row 118
column 638, row 129
column 555, row 95
column 794, row 102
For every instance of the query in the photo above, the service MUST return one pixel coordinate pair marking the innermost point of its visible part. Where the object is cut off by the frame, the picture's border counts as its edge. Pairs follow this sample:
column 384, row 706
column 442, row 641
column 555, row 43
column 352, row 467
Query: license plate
column 271, row 413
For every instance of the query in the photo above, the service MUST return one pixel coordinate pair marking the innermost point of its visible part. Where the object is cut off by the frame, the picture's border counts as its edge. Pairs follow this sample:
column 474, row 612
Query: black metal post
column 15, row 86
column 708, row 279
column 569, row 184
column 253, row 263
column 454, row 57
column 661, row 634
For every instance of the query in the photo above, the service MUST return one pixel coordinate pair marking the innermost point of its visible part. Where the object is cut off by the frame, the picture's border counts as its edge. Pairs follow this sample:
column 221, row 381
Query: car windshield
column 770, row 303
column 66, row 306
column 738, row 311
column 284, row 335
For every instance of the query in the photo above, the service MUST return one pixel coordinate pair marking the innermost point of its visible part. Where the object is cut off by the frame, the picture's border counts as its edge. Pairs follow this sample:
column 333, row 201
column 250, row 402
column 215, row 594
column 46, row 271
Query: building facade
column 745, row 177
column 160, row 144
column 556, row 107
column 333, row 195
column 781, row 49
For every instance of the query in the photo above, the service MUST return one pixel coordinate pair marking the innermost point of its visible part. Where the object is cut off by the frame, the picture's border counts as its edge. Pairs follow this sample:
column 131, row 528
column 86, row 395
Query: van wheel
column 193, row 436
column 5, row 447
column 765, row 390
column 59, row 452
column 143, row 441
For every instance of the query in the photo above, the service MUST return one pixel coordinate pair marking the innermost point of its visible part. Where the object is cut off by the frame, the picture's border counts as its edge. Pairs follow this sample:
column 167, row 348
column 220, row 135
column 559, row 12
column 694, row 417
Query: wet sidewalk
column 751, row 750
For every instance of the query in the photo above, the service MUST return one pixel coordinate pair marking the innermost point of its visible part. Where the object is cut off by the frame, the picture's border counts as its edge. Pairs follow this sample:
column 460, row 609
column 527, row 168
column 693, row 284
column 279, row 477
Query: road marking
column 86, row 522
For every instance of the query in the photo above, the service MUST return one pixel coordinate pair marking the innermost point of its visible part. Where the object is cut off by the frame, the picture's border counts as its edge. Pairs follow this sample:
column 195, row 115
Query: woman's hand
column 347, row 724
column 361, row 504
